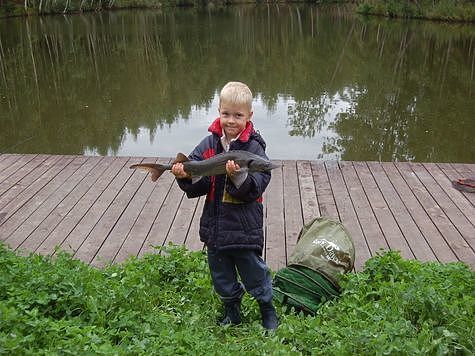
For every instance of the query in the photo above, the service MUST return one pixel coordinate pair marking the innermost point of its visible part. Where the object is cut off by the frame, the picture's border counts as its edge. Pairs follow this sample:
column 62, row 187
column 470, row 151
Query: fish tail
column 156, row 174
column 180, row 158
column 155, row 170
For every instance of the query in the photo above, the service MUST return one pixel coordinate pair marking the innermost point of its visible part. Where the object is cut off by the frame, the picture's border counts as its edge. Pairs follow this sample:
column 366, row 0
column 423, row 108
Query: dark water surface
column 328, row 84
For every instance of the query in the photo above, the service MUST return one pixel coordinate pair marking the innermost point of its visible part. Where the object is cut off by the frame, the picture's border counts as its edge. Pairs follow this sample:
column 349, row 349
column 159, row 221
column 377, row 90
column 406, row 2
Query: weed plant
column 445, row 10
column 164, row 304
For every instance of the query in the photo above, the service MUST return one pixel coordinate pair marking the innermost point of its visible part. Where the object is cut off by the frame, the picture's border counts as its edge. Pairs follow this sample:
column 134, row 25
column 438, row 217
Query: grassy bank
column 445, row 10
column 44, row 7
column 165, row 305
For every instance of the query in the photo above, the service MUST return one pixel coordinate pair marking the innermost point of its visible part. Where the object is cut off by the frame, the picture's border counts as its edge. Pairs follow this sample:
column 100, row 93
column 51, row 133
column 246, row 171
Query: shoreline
column 367, row 9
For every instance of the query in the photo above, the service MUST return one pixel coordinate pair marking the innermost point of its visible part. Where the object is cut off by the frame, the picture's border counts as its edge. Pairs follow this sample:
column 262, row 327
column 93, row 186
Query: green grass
column 164, row 304
column 445, row 10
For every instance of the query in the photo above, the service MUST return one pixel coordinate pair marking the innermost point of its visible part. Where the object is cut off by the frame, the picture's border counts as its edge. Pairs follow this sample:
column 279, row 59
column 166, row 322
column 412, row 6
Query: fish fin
column 155, row 170
column 180, row 158
column 195, row 179
column 239, row 177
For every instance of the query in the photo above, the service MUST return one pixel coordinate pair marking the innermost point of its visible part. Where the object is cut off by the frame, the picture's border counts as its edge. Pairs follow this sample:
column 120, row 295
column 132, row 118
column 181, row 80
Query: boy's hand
column 179, row 171
column 232, row 168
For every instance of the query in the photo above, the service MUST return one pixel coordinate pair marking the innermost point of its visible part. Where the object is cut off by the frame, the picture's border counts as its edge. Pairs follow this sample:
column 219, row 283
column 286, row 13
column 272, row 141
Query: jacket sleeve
column 255, row 183
column 200, row 187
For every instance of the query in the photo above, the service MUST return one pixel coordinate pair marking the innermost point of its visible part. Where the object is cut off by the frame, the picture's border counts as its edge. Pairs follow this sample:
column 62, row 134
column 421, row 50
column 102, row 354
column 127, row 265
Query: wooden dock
column 100, row 210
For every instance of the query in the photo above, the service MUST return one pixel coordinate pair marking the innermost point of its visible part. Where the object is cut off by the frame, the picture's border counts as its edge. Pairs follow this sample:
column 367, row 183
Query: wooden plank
column 325, row 198
column 464, row 170
column 43, row 229
column 382, row 212
column 444, row 174
column 308, row 195
column 347, row 213
column 192, row 241
column 375, row 238
column 438, row 244
column 470, row 167
column 110, row 209
column 418, row 244
column 456, row 216
column 30, row 184
column 460, row 171
column 20, row 209
column 5, row 163
column 19, row 174
column 13, row 186
column 79, row 203
column 12, row 164
column 24, row 232
column 451, row 175
column 137, row 236
column 66, row 235
column 292, row 206
column 104, row 212
column 117, row 236
column 451, row 235
column 21, row 217
column 182, row 221
column 275, row 250
column 159, row 231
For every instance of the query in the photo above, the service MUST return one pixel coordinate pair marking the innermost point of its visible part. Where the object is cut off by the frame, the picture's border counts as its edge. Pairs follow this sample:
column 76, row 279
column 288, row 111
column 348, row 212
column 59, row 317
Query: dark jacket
column 232, row 218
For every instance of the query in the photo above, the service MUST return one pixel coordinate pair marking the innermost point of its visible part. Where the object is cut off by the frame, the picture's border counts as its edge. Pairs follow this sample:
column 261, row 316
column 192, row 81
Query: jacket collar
column 215, row 128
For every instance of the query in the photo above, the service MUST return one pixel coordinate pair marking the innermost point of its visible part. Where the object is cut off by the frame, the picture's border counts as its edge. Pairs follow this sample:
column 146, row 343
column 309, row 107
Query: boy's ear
column 250, row 114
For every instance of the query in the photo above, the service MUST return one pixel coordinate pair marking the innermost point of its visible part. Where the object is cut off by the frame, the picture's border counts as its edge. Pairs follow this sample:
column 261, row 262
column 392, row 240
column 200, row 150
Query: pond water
column 328, row 84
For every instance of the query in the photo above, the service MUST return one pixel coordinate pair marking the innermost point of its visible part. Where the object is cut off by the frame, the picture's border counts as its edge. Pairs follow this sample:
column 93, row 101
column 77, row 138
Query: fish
column 213, row 166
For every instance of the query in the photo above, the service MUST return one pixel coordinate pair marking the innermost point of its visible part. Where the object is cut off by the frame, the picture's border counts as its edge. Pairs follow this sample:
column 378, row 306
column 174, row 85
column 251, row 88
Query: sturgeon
column 213, row 166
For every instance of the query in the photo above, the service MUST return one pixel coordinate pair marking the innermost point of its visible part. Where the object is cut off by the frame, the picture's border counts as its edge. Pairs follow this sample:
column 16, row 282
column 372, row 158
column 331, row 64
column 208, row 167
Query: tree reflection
column 81, row 82
column 308, row 117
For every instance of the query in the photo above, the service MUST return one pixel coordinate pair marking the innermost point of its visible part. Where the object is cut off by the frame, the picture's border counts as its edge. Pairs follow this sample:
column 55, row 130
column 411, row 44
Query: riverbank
column 443, row 10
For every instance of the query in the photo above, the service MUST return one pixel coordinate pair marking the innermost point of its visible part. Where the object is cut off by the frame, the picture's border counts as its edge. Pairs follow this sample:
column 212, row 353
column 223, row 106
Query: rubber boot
column 232, row 314
column 270, row 321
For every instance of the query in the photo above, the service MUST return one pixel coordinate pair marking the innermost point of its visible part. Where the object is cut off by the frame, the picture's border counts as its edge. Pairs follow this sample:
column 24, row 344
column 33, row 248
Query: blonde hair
column 236, row 93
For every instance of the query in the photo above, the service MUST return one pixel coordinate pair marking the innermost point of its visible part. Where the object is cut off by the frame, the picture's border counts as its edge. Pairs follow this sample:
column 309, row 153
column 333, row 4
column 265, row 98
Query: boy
column 232, row 218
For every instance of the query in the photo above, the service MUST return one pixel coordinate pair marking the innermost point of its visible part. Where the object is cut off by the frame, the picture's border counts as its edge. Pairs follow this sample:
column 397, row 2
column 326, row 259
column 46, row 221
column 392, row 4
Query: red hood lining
column 215, row 128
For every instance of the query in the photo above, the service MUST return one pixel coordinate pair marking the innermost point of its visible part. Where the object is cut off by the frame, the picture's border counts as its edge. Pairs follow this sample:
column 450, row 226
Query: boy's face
column 233, row 118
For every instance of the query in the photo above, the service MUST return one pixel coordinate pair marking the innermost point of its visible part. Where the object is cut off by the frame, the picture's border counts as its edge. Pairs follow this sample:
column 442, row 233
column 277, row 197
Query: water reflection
column 328, row 84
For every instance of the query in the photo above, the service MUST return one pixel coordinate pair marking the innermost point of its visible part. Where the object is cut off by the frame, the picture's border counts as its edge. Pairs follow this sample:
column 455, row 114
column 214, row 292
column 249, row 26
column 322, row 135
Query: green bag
column 323, row 252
